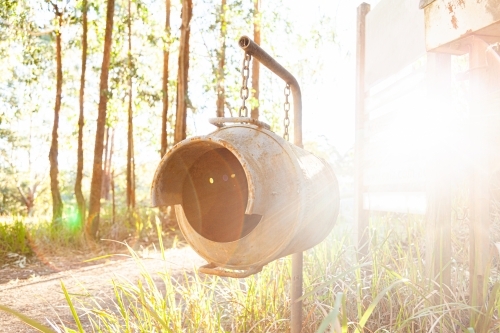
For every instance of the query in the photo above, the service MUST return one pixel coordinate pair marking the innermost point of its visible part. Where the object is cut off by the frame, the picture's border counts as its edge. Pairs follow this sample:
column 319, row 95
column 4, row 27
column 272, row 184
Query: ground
column 35, row 288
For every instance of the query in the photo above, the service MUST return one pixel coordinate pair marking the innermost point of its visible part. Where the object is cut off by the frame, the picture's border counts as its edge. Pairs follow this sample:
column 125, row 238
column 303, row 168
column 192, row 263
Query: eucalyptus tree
column 221, row 55
column 255, row 64
column 80, row 200
column 130, row 132
column 92, row 224
column 57, row 203
column 167, row 42
column 183, row 69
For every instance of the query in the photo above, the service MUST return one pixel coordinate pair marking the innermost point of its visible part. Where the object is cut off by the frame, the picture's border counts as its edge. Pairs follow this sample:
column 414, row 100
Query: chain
column 287, row 108
column 244, row 92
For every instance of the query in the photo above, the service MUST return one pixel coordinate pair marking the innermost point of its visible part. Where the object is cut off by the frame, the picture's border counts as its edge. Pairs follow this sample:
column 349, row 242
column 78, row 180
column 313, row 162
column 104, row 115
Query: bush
column 13, row 239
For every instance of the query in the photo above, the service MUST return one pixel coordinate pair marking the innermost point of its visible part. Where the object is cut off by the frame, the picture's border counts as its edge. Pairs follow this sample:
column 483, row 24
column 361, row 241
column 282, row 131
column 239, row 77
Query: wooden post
column 438, row 219
column 361, row 215
column 481, row 147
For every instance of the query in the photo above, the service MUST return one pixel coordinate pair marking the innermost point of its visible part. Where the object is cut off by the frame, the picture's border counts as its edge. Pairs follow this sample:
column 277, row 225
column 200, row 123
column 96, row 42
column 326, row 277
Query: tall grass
column 385, row 292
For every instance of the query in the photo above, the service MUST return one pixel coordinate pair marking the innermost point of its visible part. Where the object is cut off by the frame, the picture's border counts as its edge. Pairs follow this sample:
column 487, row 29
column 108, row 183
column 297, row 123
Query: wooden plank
column 395, row 37
column 447, row 21
column 392, row 177
column 396, row 115
column 400, row 145
column 409, row 186
column 361, row 216
column 395, row 87
column 398, row 202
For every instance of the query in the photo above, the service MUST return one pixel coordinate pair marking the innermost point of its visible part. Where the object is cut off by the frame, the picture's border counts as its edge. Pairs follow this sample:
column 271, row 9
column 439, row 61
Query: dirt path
column 41, row 298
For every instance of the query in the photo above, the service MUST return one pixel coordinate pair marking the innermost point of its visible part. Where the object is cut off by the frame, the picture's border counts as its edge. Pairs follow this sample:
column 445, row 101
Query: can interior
column 215, row 196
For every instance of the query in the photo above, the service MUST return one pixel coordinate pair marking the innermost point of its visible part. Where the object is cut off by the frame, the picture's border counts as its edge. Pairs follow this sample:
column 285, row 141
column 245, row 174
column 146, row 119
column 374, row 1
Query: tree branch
column 41, row 33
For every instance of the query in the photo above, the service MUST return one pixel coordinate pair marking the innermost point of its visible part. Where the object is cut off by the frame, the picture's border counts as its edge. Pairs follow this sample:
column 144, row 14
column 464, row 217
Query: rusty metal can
column 244, row 196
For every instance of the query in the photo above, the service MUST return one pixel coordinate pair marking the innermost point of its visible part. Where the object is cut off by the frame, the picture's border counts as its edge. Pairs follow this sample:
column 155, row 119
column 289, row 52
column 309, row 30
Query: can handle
column 213, row 269
column 220, row 121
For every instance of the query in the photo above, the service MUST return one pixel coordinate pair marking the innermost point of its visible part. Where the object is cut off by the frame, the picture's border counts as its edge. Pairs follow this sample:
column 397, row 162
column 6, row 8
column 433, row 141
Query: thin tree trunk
column 110, row 159
column 130, row 133
column 57, row 204
column 182, row 77
column 255, row 63
column 80, row 200
column 92, row 225
column 105, row 170
column 221, row 94
column 166, row 54
column 112, row 183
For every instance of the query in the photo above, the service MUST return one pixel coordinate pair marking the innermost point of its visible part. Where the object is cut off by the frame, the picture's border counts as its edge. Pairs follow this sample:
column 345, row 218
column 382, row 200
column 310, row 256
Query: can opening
column 215, row 195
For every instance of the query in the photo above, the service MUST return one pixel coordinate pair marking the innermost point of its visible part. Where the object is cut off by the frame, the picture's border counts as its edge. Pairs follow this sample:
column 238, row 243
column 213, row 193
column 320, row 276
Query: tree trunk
column 166, row 54
column 182, row 76
column 105, row 170
column 92, row 225
column 130, row 133
column 112, row 183
column 57, row 204
column 80, row 200
column 221, row 94
column 255, row 63
column 108, row 156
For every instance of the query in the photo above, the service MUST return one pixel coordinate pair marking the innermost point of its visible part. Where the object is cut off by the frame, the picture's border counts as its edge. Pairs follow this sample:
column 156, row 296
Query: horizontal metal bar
column 265, row 59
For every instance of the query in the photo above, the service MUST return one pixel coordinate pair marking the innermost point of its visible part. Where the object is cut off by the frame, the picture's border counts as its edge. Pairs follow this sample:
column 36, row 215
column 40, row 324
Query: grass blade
column 27, row 320
column 373, row 304
column 333, row 316
column 73, row 311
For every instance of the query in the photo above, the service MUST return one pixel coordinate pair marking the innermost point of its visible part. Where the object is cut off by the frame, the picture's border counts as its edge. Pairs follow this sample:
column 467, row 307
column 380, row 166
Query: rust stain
column 454, row 22
column 450, row 7
column 461, row 3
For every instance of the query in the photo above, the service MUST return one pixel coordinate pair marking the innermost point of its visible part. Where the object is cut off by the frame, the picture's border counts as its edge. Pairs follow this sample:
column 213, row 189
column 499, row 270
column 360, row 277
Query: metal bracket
column 220, row 121
column 425, row 3
column 213, row 269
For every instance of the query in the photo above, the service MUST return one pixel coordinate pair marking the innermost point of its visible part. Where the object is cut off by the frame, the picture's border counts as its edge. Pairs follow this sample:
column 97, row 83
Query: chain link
column 245, row 92
column 287, row 109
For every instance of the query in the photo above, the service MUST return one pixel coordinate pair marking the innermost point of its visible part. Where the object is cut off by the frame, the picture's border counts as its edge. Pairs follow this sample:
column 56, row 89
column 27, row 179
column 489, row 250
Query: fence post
column 361, row 216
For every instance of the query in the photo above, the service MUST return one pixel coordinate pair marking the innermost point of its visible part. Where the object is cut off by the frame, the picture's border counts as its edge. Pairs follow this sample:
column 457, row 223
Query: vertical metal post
column 481, row 133
column 361, row 215
column 438, row 217
column 297, row 274
column 297, row 259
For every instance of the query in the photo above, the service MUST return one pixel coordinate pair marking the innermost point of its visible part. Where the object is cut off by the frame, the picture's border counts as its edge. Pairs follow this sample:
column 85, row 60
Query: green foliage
column 14, row 239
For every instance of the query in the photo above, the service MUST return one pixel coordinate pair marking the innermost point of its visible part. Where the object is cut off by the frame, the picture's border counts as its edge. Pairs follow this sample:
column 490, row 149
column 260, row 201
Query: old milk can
column 244, row 197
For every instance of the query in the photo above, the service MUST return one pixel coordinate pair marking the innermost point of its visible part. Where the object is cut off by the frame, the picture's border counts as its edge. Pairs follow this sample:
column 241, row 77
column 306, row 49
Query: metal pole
column 297, row 259
column 296, row 311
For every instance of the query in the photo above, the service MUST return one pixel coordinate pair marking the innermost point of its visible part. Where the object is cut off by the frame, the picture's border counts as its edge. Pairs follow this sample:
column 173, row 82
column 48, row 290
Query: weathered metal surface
column 258, row 53
column 395, row 37
column 220, row 121
column 240, row 274
column 287, row 201
column 448, row 21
